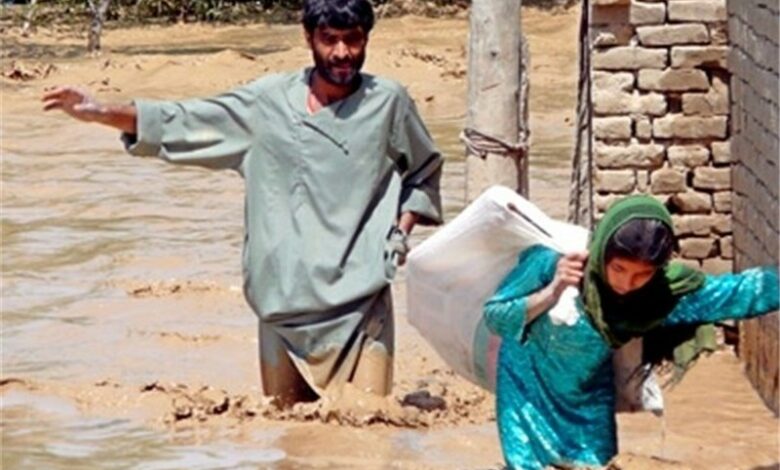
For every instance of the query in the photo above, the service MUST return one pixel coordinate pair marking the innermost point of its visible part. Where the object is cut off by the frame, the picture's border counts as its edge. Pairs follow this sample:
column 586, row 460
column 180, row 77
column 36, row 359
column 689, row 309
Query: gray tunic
column 323, row 191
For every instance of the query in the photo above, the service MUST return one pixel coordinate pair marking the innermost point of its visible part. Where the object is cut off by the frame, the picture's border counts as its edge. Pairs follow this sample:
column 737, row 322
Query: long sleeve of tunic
column 751, row 293
column 211, row 132
column 322, row 191
column 555, row 395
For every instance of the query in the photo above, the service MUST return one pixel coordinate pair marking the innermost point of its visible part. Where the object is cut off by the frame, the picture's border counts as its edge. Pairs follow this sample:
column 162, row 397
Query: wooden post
column 28, row 18
column 98, row 11
column 497, row 95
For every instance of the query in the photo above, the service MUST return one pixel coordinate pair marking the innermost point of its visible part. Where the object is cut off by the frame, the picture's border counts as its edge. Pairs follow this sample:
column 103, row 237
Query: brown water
column 83, row 227
column 121, row 279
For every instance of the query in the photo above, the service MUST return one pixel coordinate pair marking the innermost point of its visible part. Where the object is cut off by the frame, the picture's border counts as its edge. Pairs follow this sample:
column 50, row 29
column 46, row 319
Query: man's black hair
column 338, row 14
column 646, row 240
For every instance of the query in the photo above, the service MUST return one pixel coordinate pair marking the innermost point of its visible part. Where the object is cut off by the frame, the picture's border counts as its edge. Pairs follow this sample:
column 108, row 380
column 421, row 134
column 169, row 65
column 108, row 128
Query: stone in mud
column 216, row 402
column 182, row 408
column 423, row 400
column 152, row 387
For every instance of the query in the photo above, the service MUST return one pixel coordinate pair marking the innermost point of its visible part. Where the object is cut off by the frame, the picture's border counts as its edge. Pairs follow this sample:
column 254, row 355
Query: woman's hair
column 338, row 14
column 648, row 240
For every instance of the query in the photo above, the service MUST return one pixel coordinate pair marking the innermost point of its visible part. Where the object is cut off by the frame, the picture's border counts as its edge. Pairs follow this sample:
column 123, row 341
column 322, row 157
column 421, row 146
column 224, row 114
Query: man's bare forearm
column 122, row 117
column 80, row 104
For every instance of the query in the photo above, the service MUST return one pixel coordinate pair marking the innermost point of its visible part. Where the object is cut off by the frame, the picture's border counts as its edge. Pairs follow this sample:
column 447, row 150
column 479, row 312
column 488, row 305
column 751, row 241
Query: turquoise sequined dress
column 555, row 396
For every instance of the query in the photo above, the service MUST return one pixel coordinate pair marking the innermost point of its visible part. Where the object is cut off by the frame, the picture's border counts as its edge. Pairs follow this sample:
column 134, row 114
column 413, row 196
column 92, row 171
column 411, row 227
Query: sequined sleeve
column 505, row 312
column 748, row 294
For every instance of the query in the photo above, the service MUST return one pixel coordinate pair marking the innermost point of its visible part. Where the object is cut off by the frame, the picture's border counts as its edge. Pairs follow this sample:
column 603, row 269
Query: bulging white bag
column 453, row 273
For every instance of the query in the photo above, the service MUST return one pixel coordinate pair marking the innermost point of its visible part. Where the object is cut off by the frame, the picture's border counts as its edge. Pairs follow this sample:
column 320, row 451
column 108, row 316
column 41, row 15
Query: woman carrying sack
column 555, row 393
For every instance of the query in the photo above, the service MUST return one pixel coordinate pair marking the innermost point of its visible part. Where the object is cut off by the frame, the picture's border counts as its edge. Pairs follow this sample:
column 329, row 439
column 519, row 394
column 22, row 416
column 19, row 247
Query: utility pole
column 497, row 118
column 98, row 8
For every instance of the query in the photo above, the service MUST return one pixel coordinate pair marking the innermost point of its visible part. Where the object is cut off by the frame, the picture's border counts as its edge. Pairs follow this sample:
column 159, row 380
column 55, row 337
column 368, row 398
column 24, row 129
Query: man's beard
column 327, row 70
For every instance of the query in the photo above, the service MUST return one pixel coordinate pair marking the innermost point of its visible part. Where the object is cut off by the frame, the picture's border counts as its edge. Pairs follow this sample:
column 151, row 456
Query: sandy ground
column 149, row 337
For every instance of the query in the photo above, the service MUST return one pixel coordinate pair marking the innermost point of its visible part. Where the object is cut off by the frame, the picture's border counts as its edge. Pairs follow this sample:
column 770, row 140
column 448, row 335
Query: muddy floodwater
column 126, row 341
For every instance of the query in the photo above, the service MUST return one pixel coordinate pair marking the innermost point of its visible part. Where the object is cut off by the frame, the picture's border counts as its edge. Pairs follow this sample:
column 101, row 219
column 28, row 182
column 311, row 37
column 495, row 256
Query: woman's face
column 626, row 275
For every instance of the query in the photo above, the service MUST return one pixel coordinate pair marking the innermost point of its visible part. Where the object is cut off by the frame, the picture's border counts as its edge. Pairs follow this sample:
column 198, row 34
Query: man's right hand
column 81, row 105
column 73, row 101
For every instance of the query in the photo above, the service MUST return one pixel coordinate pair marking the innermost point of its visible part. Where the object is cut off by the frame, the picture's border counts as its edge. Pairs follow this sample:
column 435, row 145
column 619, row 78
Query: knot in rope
column 480, row 144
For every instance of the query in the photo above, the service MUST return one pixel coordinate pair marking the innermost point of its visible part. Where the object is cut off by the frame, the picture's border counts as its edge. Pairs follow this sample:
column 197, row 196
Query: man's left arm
column 420, row 192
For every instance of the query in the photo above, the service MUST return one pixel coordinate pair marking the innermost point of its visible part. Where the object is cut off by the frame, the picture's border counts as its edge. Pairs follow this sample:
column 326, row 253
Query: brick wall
column 754, row 27
column 659, row 122
column 679, row 99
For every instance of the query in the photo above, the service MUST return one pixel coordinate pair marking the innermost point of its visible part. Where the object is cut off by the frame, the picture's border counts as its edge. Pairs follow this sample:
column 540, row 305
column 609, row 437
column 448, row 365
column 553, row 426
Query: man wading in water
column 338, row 168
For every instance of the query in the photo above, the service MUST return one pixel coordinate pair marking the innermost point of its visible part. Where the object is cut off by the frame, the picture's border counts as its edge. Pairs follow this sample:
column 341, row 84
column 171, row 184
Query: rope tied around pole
column 480, row 144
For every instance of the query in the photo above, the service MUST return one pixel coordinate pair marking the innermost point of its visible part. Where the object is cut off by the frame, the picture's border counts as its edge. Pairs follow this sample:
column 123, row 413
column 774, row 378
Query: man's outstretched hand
column 73, row 101
column 81, row 105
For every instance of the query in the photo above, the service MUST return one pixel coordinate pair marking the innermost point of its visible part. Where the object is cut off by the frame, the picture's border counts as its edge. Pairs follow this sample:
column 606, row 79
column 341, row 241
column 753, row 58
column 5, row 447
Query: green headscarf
column 640, row 313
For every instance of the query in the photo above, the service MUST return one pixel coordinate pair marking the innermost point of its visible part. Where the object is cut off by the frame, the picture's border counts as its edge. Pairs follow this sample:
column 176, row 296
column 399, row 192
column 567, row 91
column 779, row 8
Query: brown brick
column 614, row 181
column 603, row 201
column 719, row 33
column 673, row 80
column 698, row 10
column 699, row 56
column 643, row 181
column 717, row 266
column 697, row 248
column 690, row 127
column 613, row 81
column 692, row 202
column 712, row 178
column 612, row 128
column 612, row 35
column 721, row 152
column 634, row 155
column 722, row 201
column 667, row 181
column 629, row 58
column 714, row 102
column 611, row 102
column 673, row 34
column 647, row 13
column 643, row 128
column 688, row 155
column 726, row 245
column 697, row 224
column 721, row 224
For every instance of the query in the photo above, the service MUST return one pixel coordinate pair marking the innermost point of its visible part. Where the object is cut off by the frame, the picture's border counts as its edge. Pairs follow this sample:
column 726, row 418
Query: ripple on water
column 49, row 432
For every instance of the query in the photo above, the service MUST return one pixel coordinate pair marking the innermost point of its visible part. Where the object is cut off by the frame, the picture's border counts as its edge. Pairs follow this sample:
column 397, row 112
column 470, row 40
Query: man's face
column 338, row 53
